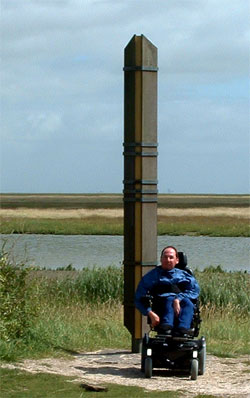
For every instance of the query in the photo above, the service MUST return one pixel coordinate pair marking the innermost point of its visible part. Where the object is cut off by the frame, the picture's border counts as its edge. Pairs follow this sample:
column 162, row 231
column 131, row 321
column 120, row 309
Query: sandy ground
column 224, row 377
column 237, row 212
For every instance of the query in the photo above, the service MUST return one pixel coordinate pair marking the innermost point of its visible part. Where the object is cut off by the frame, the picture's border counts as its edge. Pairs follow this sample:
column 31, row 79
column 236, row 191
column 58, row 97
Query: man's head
column 169, row 258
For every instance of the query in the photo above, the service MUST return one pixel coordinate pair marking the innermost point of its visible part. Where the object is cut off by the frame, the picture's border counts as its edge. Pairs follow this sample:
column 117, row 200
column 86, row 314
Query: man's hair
column 170, row 247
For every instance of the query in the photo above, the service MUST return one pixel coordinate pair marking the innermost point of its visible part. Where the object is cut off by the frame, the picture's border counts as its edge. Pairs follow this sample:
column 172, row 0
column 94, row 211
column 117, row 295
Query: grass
column 225, row 307
column 65, row 201
column 221, row 290
column 75, row 306
column 226, row 332
column 96, row 201
column 79, row 311
column 172, row 225
column 61, row 330
column 17, row 384
column 207, row 226
column 86, row 226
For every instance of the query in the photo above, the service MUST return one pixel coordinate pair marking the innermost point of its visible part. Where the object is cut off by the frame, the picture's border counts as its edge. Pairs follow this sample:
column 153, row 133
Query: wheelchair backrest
column 183, row 263
column 182, row 260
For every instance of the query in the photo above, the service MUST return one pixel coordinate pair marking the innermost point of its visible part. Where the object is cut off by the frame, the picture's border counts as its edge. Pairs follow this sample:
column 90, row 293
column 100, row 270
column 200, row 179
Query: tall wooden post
column 140, row 175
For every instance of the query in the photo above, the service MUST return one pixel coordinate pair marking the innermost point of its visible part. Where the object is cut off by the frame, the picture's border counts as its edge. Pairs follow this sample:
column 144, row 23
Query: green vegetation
column 61, row 201
column 176, row 224
column 16, row 300
column 71, row 311
column 196, row 226
column 68, row 311
column 17, row 384
column 102, row 201
column 207, row 226
column 225, row 307
column 222, row 290
column 66, row 226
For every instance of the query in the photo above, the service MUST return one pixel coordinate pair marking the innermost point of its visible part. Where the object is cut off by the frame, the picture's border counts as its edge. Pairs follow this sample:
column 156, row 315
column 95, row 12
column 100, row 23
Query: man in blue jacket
column 176, row 292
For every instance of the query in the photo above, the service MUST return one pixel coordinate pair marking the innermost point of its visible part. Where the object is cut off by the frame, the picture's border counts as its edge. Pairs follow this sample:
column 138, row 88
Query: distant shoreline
column 95, row 201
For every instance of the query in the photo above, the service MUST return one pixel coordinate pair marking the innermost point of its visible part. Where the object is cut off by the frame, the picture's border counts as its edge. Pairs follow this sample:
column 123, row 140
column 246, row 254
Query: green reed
column 221, row 289
column 101, row 284
column 83, row 310
column 93, row 285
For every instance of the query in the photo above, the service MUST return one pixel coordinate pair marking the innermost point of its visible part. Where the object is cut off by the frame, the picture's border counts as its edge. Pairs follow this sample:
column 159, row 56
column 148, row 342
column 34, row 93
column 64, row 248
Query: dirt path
column 224, row 377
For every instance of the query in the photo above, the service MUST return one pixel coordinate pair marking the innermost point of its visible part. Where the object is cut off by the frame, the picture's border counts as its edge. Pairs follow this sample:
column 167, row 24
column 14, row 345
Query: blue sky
column 62, row 93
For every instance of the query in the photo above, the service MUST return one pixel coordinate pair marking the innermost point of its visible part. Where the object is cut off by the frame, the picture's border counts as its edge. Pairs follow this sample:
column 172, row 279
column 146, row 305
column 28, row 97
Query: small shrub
column 16, row 306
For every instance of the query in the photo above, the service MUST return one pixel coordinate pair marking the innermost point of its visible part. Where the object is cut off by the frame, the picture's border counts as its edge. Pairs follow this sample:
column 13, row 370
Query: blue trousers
column 185, row 317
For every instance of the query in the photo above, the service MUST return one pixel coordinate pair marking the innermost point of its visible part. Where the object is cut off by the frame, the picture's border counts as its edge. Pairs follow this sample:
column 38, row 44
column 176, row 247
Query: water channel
column 53, row 251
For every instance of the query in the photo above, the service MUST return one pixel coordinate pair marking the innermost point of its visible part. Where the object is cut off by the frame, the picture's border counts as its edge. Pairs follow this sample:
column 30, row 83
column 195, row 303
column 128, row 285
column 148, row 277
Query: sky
column 62, row 94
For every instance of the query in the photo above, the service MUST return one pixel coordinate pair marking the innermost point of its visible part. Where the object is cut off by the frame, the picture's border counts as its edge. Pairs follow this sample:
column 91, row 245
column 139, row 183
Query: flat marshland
column 94, row 214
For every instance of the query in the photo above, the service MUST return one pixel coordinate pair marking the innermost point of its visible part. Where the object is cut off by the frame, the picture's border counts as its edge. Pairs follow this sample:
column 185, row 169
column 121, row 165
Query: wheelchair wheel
column 143, row 357
column 202, row 361
column 144, row 352
column 194, row 369
column 148, row 367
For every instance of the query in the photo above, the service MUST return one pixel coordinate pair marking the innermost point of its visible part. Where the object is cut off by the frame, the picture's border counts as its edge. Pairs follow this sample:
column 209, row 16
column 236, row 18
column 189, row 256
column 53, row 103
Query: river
column 53, row 251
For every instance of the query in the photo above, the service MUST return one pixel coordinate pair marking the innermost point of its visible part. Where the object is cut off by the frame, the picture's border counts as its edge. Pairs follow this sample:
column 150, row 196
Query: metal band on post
column 142, row 182
column 136, row 68
column 141, row 144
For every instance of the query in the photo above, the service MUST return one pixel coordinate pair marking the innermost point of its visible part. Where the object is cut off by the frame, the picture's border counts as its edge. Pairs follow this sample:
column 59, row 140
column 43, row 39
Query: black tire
column 194, row 369
column 143, row 357
column 202, row 360
column 144, row 352
column 148, row 367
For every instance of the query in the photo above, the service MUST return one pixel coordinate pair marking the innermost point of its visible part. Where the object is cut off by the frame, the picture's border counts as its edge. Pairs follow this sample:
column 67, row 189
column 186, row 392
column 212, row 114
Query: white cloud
column 62, row 77
column 43, row 125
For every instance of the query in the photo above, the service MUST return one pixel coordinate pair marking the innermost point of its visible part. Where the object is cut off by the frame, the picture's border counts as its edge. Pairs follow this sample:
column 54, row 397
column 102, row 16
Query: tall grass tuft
column 221, row 289
column 92, row 285
column 225, row 306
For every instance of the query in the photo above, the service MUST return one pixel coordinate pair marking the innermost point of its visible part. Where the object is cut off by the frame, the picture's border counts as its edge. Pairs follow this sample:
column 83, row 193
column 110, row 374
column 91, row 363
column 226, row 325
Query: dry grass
column 236, row 212
column 60, row 213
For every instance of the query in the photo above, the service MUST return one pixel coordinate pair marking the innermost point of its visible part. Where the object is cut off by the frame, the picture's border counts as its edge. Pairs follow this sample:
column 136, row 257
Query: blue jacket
column 175, row 282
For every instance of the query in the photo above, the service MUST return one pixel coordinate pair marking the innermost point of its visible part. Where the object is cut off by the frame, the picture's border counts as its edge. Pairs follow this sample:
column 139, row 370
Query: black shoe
column 166, row 329
column 182, row 332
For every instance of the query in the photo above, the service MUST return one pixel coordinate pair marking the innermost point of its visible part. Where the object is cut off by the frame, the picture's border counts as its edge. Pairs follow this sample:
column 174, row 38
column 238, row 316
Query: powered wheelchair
column 186, row 354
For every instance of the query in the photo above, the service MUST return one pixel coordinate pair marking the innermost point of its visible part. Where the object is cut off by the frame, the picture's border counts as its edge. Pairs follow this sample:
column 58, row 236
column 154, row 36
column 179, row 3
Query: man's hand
column 155, row 320
column 177, row 307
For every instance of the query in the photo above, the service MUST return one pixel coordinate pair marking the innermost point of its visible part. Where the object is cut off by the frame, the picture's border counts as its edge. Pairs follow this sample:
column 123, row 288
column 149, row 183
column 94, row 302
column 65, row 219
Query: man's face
column 169, row 259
